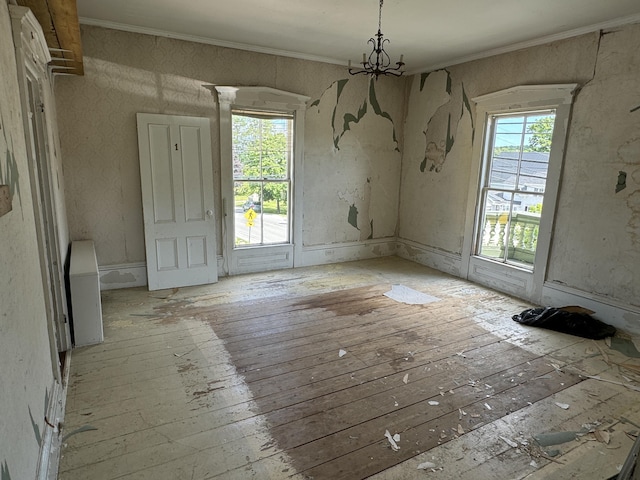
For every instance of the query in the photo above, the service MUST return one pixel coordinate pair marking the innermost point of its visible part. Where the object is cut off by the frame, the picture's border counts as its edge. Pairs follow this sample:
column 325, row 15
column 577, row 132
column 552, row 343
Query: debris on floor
column 556, row 438
column 426, row 466
column 342, row 353
column 571, row 320
column 509, row 442
column 393, row 440
column 624, row 346
column 564, row 406
column 407, row 295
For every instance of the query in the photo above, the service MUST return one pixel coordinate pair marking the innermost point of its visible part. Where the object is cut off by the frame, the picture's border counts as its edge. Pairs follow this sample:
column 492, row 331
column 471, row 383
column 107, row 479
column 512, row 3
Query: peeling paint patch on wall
column 36, row 429
column 353, row 216
column 633, row 227
column 378, row 111
column 9, row 174
column 356, row 216
column 622, row 181
column 4, row 471
column 340, row 128
column 117, row 277
column 438, row 146
column 434, row 155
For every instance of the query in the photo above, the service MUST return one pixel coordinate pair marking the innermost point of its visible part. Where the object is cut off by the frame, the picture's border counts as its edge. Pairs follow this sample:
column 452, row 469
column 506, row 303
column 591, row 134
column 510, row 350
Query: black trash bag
column 565, row 321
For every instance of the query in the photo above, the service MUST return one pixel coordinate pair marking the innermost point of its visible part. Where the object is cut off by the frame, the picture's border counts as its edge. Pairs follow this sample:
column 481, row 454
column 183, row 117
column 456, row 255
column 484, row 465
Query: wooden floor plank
column 212, row 382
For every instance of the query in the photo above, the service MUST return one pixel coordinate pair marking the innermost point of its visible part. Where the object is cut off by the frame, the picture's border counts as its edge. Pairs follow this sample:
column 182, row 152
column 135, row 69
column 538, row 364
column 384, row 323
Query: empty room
column 319, row 240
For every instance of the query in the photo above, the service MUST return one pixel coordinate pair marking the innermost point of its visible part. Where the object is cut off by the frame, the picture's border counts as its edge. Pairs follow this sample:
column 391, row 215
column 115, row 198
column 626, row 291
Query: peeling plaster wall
column 352, row 163
column 126, row 73
column 25, row 362
column 597, row 234
column 596, row 243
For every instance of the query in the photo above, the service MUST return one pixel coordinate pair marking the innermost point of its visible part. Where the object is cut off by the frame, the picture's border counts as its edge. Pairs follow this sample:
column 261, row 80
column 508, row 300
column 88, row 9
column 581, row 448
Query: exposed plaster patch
column 353, row 216
column 36, row 428
column 434, row 155
column 633, row 226
column 378, row 111
column 116, row 277
column 4, row 471
column 359, row 205
column 467, row 104
column 412, row 252
column 633, row 201
column 10, row 176
column 629, row 152
column 622, row 181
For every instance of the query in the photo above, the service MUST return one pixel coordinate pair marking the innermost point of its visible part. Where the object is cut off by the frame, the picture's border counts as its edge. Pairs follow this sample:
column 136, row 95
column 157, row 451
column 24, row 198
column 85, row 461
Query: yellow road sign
column 250, row 214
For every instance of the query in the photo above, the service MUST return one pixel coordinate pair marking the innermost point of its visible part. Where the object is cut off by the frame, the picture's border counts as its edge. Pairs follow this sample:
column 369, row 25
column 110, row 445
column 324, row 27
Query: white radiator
column 86, row 307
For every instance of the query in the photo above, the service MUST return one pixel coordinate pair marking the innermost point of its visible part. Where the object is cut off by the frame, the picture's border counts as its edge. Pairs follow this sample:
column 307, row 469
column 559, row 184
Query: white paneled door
column 176, row 172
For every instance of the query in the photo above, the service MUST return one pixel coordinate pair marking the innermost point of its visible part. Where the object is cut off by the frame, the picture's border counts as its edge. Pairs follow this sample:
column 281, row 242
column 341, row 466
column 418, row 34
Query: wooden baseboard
column 50, row 448
column 123, row 276
column 623, row 317
column 345, row 252
column 431, row 257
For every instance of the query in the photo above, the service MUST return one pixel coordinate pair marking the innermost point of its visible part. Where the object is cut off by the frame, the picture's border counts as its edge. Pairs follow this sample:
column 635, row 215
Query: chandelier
column 378, row 63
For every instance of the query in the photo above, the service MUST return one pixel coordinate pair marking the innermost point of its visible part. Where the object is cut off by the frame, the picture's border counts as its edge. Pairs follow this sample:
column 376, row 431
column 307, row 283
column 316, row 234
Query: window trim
column 260, row 257
column 520, row 282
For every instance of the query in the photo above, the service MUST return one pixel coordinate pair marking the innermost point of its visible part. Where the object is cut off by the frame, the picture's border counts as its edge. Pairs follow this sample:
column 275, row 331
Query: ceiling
column 430, row 33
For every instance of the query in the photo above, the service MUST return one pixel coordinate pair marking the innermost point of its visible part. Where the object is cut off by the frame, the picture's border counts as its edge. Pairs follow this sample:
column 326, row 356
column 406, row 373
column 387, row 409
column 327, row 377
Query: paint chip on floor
column 403, row 294
column 392, row 440
column 509, row 442
column 342, row 353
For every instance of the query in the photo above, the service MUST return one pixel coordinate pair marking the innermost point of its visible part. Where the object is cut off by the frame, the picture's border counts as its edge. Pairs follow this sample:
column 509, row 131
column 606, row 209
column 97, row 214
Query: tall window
column 262, row 150
column 512, row 193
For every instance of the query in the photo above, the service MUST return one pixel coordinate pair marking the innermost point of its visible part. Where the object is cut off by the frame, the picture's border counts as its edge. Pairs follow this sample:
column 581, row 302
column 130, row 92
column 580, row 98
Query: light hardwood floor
column 246, row 379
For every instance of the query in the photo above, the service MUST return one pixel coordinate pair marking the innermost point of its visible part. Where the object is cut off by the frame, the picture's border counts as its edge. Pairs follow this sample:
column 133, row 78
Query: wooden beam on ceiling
column 61, row 27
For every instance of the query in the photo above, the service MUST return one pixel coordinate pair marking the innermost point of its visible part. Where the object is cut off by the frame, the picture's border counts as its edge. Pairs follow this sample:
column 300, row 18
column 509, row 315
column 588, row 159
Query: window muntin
column 512, row 194
column 262, row 150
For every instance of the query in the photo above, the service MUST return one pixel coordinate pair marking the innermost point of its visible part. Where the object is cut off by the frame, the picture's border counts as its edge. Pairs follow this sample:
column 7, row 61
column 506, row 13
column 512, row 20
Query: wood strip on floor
column 326, row 433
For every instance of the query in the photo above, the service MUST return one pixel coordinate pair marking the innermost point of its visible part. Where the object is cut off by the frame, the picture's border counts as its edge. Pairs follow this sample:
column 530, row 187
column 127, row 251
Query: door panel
column 177, row 194
column 164, row 205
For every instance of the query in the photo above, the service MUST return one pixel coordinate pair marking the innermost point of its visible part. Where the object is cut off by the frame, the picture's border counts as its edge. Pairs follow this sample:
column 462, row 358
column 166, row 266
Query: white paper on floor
column 403, row 294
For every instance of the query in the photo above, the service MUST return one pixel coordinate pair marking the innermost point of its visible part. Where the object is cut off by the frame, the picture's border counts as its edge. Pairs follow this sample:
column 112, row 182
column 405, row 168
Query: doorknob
column 209, row 213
